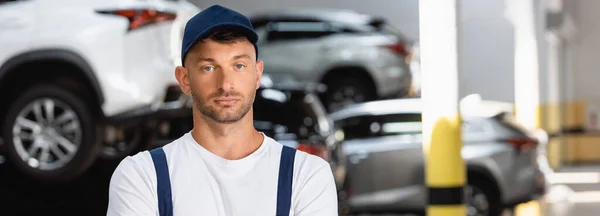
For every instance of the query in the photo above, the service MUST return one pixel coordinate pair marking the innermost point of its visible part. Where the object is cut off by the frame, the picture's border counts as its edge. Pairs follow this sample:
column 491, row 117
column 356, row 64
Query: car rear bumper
column 537, row 187
column 541, row 184
column 174, row 104
column 393, row 81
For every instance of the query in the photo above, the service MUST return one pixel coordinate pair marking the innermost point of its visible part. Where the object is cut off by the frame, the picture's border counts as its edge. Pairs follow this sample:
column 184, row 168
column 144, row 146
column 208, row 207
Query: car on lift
column 358, row 57
column 385, row 169
column 75, row 75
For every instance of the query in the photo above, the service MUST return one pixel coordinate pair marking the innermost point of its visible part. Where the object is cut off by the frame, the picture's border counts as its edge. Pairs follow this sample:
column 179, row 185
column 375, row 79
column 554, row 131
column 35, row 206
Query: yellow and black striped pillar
column 445, row 173
column 445, row 170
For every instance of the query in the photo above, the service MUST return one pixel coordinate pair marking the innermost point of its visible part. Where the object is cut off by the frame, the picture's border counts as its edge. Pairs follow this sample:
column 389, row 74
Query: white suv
column 73, row 72
column 358, row 57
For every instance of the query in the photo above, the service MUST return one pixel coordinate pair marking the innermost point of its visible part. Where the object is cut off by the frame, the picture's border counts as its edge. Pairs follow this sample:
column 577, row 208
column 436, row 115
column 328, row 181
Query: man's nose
column 226, row 79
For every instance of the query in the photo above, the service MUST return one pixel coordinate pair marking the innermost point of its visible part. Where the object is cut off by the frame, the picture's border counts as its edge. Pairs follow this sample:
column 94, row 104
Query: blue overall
column 284, row 187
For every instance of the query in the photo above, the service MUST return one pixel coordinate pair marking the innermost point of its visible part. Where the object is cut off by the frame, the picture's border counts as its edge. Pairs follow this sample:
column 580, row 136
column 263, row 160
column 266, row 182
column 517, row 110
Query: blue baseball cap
column 214, row 18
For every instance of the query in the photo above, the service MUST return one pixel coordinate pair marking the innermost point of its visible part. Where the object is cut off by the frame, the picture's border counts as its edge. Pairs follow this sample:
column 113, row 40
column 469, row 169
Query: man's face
column 222, row 79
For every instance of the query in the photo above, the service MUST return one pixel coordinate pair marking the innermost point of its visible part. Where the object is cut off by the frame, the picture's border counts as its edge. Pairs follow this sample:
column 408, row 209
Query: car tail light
column 142, row 17
column 314, row 149
column 398, row 48
column 523, row 144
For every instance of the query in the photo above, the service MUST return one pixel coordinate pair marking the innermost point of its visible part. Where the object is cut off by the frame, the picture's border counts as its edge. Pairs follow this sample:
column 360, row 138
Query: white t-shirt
column 205, row 184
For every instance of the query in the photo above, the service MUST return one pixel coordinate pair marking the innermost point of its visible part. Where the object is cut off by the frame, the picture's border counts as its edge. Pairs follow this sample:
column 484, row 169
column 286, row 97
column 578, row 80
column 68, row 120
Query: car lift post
column 527, row 71
column 527, row 64
column 445, row 172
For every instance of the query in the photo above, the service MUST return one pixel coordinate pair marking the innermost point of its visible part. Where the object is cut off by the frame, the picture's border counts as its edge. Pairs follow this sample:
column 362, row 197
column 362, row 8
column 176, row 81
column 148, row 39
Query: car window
column 283, row 31
column 370, row 126
column 472, row 127
column 354, row 28
column 397, row 124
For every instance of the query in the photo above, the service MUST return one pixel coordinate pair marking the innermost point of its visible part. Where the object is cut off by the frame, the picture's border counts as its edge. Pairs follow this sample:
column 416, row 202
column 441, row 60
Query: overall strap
column 284, row 186
column 163, row 182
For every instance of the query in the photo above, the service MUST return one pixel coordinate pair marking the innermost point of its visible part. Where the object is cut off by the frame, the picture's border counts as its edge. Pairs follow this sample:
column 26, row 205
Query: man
column 223, row 166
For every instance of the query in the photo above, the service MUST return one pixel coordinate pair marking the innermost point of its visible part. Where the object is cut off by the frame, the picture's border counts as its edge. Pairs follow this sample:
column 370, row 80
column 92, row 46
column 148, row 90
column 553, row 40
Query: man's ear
column 259, row 72
column 182, row 76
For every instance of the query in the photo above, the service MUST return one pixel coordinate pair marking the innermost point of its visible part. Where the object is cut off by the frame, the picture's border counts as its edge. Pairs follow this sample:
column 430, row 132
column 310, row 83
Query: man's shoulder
column 137, row 164
column 302, row 160
column 314, row 185
column 142, row 163
column 309, row 164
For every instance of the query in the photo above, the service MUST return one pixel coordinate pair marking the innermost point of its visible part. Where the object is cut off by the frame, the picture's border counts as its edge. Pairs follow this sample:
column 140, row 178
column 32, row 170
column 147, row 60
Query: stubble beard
column 224, row 117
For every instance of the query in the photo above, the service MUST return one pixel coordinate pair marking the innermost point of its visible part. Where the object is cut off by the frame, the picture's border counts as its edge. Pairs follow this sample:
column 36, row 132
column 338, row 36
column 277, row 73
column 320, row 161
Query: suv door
column 398, row 173
column 291, row 50
column 388, row 150
column 360, row 162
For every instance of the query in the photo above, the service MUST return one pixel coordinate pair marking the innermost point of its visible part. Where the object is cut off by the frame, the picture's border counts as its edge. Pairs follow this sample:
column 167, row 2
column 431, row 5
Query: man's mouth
column 226, row 101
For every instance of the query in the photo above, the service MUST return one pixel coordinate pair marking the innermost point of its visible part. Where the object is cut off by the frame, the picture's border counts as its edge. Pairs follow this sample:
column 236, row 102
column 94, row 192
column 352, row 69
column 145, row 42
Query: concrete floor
column 575, row 192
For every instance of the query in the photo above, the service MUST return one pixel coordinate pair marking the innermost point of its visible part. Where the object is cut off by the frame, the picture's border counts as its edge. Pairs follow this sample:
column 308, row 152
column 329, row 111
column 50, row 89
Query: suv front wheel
column 50, row 133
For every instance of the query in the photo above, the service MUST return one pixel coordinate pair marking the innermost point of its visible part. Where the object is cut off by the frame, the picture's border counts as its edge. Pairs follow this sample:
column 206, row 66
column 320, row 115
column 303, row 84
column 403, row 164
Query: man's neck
column 230, row 141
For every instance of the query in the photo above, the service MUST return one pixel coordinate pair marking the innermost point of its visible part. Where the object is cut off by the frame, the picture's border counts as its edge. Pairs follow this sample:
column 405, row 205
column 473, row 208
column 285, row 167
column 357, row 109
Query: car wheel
column 481, row 201
column 50, row 133
column 347, row 91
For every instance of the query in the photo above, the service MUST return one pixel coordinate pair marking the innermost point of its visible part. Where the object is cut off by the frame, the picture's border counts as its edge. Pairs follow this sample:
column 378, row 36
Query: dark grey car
column 385, row 173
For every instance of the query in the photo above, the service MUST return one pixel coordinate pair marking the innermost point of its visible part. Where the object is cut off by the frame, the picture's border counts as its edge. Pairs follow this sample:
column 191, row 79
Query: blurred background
column 84, row 84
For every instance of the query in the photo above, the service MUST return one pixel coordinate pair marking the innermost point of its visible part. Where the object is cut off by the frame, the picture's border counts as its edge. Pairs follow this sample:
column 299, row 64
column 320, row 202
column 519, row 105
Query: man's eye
column 207, row 68
column 240, row 66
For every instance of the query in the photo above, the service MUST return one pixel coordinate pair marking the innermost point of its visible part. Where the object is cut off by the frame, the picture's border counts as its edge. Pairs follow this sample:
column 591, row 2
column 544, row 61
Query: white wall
column 487, row 45
column 586, row 51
